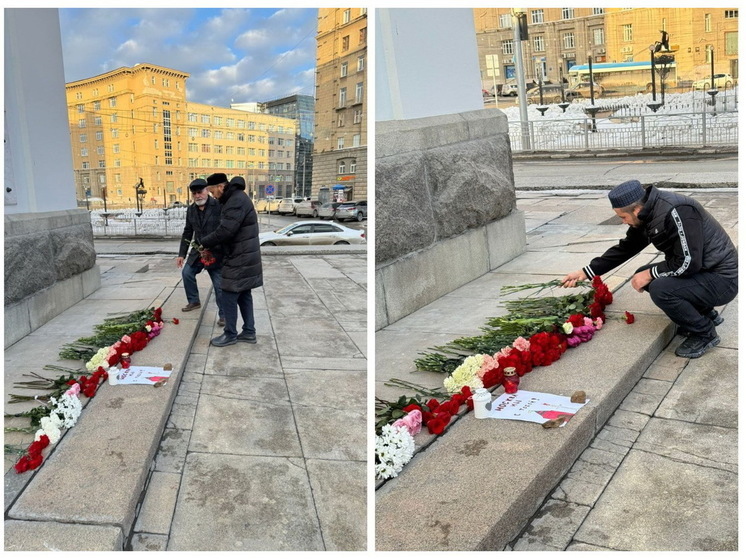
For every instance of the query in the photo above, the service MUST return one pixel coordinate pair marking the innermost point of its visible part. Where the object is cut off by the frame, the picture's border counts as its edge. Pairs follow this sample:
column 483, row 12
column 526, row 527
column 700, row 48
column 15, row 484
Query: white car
column 312, row 233
column 721, row 81
column 288, row 205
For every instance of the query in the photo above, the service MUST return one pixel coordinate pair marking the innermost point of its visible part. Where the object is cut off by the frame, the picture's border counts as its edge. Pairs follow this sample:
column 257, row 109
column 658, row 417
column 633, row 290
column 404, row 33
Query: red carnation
column 576, row 320
column 22, row 465
column 629, row 317
column 437, row 425
column 433, row 405
column 458, row 398
column 175, row 320
column 35, row 461
column 412, row 407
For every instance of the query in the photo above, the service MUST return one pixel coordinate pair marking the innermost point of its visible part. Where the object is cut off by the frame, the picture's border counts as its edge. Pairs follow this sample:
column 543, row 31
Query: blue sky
column 238, row 54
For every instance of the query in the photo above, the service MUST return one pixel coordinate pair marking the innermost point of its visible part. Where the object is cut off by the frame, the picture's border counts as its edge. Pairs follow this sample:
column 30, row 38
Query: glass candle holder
column 511, row 380
column 125, row 361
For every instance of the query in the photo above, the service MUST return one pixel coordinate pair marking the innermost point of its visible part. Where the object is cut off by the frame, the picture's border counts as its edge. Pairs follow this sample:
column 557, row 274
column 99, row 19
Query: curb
column 604, row 154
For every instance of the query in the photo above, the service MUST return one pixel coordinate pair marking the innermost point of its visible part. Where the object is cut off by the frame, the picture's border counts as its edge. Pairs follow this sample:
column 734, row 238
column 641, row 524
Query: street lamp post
column 592, row 110
column 519, row 19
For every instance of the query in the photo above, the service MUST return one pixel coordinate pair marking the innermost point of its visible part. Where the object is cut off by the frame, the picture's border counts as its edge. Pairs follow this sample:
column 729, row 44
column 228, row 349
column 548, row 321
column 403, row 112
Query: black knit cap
column 626, row 194
column 197, row 184
column 238, row 182
column 216, row 178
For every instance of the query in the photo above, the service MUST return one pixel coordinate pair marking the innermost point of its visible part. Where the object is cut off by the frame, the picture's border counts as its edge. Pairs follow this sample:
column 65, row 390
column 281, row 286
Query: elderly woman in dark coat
column 238, row 232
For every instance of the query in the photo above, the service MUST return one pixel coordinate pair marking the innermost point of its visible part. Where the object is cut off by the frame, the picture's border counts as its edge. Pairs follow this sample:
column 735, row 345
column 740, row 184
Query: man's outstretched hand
column 571, row 279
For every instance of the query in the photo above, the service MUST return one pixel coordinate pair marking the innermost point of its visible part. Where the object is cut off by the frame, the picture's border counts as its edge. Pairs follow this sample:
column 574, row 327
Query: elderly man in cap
column 238, row 232
column 202, row 218
column 700, row 266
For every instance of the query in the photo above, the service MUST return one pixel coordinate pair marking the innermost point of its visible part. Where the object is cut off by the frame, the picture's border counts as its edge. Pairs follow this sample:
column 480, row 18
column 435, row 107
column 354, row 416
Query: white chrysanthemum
column 394, row 448
column 50, row 426
column 69, row 407
column 465, row 375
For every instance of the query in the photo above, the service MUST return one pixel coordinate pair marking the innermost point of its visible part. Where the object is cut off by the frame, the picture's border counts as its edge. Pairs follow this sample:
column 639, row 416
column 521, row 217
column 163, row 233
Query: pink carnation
column 412, row 422
column 488, row 363
column 74, row 390
column 588, row 321
column 504, row 352
column 521, row 344
column 126, row 339
column 599, row 323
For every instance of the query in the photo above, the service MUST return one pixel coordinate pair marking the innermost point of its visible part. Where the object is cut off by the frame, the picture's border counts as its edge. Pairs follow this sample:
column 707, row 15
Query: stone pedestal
column 445, row 207
column 50, row 264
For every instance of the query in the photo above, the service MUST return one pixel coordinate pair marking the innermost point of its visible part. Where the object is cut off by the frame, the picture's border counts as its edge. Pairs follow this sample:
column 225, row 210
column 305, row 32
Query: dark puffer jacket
column 238, row 232
column 690, row 239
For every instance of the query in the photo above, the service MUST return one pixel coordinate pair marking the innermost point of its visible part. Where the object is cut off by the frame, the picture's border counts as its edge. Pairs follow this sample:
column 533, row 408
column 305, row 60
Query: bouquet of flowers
column 205, row 256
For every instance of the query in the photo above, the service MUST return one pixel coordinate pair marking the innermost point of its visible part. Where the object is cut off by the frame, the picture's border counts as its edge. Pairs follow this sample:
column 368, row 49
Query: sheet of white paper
column 139, row 375
column 536, row 407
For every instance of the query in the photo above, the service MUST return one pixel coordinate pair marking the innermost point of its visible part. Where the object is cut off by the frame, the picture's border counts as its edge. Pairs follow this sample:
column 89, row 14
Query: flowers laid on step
column 536, row 332
column 394, row 448
column 62, row 407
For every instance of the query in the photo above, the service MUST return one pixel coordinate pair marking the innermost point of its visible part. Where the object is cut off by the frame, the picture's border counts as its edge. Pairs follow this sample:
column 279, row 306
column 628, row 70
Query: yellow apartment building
column 340, row 124
column 132, row 129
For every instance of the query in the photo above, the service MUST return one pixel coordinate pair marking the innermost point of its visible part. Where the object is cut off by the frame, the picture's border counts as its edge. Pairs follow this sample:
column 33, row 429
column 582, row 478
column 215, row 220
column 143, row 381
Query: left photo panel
column 186, row 284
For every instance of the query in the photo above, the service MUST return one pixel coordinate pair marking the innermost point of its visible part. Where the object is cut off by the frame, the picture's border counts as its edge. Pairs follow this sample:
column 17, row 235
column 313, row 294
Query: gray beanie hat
column 626, row 193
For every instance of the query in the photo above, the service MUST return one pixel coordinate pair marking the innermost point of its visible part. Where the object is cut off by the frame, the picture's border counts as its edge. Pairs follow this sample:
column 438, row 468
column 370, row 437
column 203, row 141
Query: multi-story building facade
column 132, row 129
column 301, row 109
column 340, row 144
column 559, row 38
column 562, row 37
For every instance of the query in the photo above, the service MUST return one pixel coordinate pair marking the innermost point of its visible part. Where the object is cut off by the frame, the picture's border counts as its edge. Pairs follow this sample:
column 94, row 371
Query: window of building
column 343, row 70
column 192, row 117
column 363, row 36
column 357, row 116
column 568, row 13
column 353, row 166
column 598, row 11
column 346, row 42
column 252, row 125
column 346, row 16
column 81, row 123
column 241, row 124
column 218, row 134
column 192, row 132
column 360, row 63
column 205, row 162
column 731, row 14
column 240, row 151
column 241, row 164
column 155, row 143
column 627, row 32
column 101, row 164
column 115, row 148
column 205, row 119
column 218, row 148
column 78, row 96
column 81, row 108
column 538, row 43
column 165, row 82
column 217, row 120
column 342, row 96
column 115, row 132
column 192, row 147
column 229, row 150
column 205, row 148
column 99, row 150
column 356, row 140
column 205, row 133
column 708, row 23
column 97, row 121
column 83, row 137
column 117, row 163
column 340, row 142
column 505, row 21
column 568, row 40
column 83, row 152
column 598, row 36
column 340, row 119
column 117, row 177
column 113, row 117
column 359, row 92
column 112, row 102
column 731, row 43
column 507, row 47
column 155, row 112
column 537, row 16
column 241, row 137
column 99, row 136
column 97, row 105
column 85, row 165
column 156, row 127
column 341, row 167
column 192, row 161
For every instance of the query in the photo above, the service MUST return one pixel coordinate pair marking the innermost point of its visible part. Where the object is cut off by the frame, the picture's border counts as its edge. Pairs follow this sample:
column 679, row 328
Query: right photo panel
column 556, row 279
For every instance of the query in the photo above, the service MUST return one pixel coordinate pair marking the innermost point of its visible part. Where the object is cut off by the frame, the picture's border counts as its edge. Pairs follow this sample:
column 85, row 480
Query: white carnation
column 394, row 448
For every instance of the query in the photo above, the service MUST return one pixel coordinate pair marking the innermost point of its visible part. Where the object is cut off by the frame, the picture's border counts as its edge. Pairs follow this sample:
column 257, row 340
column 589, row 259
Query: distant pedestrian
column 700, row 266
column 202, row 218
column 238, row 232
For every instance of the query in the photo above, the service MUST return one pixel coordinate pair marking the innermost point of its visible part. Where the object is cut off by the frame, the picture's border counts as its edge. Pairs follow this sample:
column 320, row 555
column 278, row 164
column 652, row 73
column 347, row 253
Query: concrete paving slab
column 564, row 519
column 172, row 450
column 646, row 396
column 312, row 337
column 55, row 536
column 341, row 389
column 158, row 506
column 457, row 316
column 536, row 262
column 705, row 445
column 245, row 503
column 149, row 542
column 261, row 428
column 315, row 267
column 339, row 492
column 321, row 436
column 706, row 391
column 245, row 360
column 655, row 503
column 325, row 363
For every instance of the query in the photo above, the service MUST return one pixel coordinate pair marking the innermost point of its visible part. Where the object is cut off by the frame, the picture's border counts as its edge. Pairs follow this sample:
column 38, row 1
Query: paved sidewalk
column 244, row 450
column 478, row 486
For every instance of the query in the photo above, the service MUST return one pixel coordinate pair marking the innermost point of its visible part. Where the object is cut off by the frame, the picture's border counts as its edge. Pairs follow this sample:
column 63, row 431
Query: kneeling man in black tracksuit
column 700, row 269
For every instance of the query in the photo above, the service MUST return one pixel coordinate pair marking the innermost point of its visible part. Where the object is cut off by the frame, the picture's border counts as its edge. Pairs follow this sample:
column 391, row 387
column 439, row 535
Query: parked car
column 582, row 90
column 288, row 205
column 721, row 81
column 308, row 207
column 328, row 210
column 269, row 205
column 352, row 210
column 176, row 204
column 312, row 233
column 509, row 89
column 552, row 94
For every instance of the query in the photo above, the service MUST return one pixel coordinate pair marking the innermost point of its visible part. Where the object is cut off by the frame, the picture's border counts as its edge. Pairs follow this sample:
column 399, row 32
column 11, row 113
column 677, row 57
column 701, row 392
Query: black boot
column 696, row 345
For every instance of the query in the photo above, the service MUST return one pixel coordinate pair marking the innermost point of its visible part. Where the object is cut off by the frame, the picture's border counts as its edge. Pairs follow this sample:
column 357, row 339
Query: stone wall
column 50, row 264
column 445, row 207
